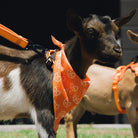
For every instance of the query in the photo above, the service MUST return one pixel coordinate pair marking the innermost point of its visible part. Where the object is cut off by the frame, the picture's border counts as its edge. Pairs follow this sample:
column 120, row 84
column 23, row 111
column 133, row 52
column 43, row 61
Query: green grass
column 89, row 132
column 19, row 134
column 83, row 132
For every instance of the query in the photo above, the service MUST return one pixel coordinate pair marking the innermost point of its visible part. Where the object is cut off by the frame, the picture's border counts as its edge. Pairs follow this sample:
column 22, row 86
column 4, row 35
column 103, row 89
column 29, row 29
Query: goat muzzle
column 117, row 49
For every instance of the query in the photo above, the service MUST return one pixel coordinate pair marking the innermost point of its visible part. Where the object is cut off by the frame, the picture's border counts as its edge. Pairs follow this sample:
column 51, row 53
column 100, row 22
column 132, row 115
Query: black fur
column 38, row 85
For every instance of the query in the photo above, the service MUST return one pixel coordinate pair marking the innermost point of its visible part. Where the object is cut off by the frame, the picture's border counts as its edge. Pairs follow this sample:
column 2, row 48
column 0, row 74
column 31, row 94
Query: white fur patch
column 13, row 101
column 42, row 132
column 33, row 114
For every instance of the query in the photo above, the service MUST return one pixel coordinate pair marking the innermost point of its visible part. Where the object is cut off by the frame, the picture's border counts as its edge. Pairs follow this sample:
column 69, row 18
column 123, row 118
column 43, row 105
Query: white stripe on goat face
column 14, row 100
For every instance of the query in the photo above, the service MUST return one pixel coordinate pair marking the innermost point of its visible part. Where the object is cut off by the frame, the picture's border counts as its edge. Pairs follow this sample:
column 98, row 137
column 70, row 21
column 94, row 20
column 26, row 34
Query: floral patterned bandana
column 68, row 88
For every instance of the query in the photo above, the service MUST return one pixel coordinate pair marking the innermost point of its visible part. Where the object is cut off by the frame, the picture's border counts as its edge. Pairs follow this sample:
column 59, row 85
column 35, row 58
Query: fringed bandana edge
column 68, row 88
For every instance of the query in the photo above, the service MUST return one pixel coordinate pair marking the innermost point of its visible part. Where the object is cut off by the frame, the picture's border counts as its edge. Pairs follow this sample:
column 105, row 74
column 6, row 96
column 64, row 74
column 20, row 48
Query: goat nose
column 117, row 49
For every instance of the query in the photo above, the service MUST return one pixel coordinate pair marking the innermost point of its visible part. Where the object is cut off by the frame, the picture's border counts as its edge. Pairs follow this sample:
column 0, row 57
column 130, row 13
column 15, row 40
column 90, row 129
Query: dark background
column 37, row 20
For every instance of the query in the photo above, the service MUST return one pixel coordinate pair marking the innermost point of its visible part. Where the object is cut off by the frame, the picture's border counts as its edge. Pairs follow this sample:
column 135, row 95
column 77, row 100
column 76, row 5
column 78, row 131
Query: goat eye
column 91, row 30
column 92, row 33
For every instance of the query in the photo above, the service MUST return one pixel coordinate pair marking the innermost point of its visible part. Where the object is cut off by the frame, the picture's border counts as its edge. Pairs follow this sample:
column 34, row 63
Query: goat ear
column 74, row 21
column 132, row 36
column 125, row 19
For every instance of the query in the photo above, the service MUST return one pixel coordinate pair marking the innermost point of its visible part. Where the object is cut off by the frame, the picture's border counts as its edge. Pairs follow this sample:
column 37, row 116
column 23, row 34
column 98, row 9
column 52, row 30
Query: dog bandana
column 68, row 88
column 118, row 77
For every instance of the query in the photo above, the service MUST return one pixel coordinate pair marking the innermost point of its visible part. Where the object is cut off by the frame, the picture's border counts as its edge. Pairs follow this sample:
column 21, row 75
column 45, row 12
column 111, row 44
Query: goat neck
column 77, row 57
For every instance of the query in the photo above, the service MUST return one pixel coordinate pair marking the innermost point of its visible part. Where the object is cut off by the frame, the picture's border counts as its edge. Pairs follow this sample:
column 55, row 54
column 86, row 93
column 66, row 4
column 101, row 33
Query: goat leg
column 44, row 121
column 72, row 119
column 133, row 118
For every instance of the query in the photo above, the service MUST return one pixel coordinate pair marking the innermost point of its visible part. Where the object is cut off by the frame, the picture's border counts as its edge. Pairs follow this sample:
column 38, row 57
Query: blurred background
column 37, row 20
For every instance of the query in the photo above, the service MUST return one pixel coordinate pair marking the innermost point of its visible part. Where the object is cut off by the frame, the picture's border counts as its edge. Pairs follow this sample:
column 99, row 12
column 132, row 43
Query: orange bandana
column 68, row 88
